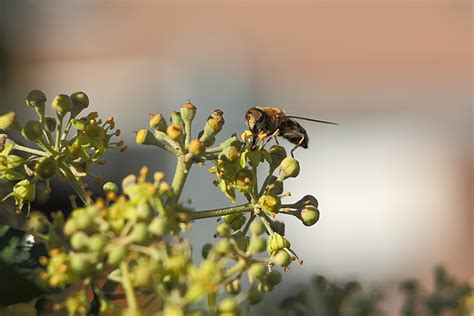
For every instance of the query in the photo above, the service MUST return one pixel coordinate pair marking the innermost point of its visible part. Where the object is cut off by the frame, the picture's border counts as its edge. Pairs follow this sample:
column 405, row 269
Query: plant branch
column 127, row 286
column 221, row 211
column 181, row 174
column 29, row 150
column 74, row 183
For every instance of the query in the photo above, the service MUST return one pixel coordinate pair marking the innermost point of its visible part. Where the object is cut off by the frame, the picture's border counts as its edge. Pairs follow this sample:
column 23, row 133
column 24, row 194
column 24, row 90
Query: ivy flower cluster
column 130, row 243
column 65, row 144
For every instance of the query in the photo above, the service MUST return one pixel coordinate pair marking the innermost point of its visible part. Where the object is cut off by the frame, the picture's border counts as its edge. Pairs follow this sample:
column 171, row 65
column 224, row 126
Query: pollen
column 246, row 135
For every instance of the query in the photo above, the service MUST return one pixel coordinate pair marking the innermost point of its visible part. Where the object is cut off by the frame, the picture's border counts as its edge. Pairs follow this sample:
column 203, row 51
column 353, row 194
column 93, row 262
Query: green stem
column 267, row 224
column 127, row 286
column 42, row 118
column 180, row 176
column 214, row 150
column 187, row 130
column 57, row 144
column 221, row 211
column 74, row 183
column 66, row 132
column 29, row 150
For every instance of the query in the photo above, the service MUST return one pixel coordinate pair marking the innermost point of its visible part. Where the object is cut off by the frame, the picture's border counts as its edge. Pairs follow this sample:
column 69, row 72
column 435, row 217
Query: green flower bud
column 83, row 220
column 176, row 119
column 37, row 223
column 80, row 125
column 96, row 243
column 81, row 263
column 74, row 150
column 36, row 99
column 265, row 287
column 79, row 240
column 143, row 274
column 70, row 228
column 276, row 242
column 24, row 191
column 116, row 254
column 223, row 246
column 257, row 271
column 8, row 121
column 50, row 123
column 257, row 228
column 255, row 296
column 235, row 220
column 62, row 104
column 139, row 233
column 282, row 258
column 46, row 168
column 158, row 123
column 196, row 147
column 80, row 101
column 215, row 125
column 232, row 141
column 175, row 132
column 289, row 168
column 159, row 226
column 257, row 245
column 277, row 154
column 145, row 137
column 205, row 250
column 223, row 230
column 233, row 286
column 110, row 187
column 228, row 306
column 309, row 215
column 269, row 203
column 33, row 130
column 188, row 111
column 273, row 277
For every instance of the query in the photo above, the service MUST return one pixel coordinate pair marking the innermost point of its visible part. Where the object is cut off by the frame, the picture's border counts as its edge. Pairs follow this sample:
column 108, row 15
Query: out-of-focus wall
column 394, row 180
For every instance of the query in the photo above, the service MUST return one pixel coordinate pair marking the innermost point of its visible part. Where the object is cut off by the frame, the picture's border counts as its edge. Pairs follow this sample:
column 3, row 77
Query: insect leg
column 297, row 145
column 275, row 134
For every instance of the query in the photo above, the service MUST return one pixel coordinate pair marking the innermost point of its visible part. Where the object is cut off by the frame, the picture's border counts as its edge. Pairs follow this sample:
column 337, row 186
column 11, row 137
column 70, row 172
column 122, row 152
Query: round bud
column 174, row 131
column 69, row 228
column 116, row 254
column 83, row 220
column 81, row 263
column 277, row 154
column 256, row 271
column 215, row 125
column 7, row 121
column 282, row 258
column 158, row 122
column 223, row 230
column 289, row 168
column 188, row 111
column 96, row 243
column 265, row 287
column 143, row 275
column 227, row 305
column 255, row 296
column 37, row 222
column 257, row 245
column 36, row 99
column 257, row 227
column 50, row 123
column 139, row 233
column 158, row 226
column 80, row 101
column 223, row 246
column 32, row 130
column 309, row 215
column 110, row 187
column 46, row 168
column 233, row 286
column 196, row 147
column 176, row 118
column 62, row 104
column 79, row 240
column 276, row 242
column 205, row 250
column 273, row 277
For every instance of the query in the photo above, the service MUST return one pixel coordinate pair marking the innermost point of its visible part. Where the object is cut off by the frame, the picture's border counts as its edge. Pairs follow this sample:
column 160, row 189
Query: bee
column 275, row 122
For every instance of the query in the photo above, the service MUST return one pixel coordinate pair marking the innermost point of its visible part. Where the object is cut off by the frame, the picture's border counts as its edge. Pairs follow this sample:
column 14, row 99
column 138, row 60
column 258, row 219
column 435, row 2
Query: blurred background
column 394, row 179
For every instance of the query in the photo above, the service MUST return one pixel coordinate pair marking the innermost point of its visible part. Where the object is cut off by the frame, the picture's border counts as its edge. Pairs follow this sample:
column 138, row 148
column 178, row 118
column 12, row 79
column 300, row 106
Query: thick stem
column 221, row 211
column 127, row 286
column 187, row 130
column 29, row 150
column 181, row 174
column 74, row 183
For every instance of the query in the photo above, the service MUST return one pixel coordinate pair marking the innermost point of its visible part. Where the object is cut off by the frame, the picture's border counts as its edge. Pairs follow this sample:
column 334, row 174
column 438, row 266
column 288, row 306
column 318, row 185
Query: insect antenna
column 311, row 120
